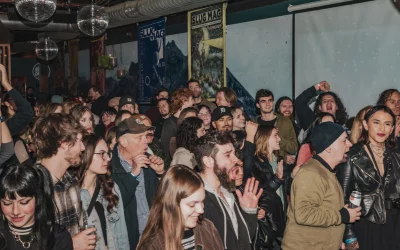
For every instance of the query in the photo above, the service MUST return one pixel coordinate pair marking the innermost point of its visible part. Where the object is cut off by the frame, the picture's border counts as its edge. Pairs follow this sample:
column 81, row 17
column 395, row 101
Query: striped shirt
column 188, row 242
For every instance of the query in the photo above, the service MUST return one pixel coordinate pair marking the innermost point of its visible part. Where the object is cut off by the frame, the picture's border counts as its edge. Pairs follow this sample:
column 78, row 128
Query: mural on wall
column 206, row 45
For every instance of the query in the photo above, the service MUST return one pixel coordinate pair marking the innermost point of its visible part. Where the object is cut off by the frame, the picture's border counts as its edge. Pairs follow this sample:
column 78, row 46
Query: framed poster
column 207, row 48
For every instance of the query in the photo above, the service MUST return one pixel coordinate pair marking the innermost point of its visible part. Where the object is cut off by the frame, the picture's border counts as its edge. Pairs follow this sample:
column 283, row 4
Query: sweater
column 316, row 212
column 23, row 116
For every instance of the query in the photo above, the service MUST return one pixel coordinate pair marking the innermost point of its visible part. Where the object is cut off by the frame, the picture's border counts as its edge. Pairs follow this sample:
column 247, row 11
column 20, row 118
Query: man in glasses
column 136, row 172
column 218, row 166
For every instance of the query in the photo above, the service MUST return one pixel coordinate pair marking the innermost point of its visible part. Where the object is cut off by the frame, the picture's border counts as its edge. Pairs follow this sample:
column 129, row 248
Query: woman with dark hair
column 391, row 99
column 28, row 211
column 188, row 132
column 205, row 115
column 101, row 198
column 175, row 221
column 84, row 116
column 326, row 102
column 373, row 169
column 269, row 171
column 306, row 151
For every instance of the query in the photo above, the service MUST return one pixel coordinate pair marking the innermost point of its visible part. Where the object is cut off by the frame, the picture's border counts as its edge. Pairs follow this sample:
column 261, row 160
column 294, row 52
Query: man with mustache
column 288, row 144
column 58, row 140
column 222, row 119
column 217, row 163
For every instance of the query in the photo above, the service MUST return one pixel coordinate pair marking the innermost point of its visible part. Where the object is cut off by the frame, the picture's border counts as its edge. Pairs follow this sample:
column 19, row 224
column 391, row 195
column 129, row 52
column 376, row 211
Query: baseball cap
column 126, row 99
column 133, row 125
column 220, row 112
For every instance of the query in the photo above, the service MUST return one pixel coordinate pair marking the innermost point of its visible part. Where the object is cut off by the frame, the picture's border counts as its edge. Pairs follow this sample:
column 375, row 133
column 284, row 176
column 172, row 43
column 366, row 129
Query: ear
column 257, row 105
column 208, row 162
column 328, row 149
column 365, row 125
column 214, row 125
column 123, row 141
column 64, row 146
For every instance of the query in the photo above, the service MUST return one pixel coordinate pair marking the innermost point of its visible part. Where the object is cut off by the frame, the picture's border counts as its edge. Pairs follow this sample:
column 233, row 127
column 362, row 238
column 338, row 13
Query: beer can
column 355, row 199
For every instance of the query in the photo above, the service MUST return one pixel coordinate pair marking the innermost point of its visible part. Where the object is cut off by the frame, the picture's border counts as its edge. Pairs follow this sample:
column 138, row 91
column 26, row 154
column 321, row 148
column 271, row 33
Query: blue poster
column 151, row 58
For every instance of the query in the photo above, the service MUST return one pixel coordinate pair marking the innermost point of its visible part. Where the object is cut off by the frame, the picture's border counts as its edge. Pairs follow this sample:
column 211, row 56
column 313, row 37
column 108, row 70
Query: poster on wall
column 206, row 48
column 151, row 44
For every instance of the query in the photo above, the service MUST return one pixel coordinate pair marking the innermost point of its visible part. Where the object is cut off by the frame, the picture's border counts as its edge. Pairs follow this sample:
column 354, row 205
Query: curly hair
column 104, row 180
column 179, row 96
column 207, row 145
column 186, row 135
column 52, row 130
column 341, row 113
column 385, row 96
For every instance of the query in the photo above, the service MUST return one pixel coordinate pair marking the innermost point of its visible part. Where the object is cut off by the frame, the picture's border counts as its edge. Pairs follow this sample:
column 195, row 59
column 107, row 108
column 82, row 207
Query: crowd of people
column 94, row 173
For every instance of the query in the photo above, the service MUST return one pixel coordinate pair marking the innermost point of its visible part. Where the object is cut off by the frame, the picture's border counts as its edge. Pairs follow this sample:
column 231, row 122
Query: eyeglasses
column 204, row 114
column 105, row 155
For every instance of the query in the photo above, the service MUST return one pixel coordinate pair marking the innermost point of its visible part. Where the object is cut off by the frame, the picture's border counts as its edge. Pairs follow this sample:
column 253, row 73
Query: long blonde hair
column 357, row 127
column 165, row 218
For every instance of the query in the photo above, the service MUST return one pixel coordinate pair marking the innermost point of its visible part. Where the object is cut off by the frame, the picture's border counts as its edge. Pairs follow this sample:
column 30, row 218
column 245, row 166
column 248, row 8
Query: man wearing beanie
column 316, row 211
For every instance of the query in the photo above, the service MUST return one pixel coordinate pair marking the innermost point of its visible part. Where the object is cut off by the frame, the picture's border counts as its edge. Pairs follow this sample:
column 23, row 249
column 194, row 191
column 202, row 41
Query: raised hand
column 279, row 170
column 157, row 164
column 323, row 86
column 251, row 194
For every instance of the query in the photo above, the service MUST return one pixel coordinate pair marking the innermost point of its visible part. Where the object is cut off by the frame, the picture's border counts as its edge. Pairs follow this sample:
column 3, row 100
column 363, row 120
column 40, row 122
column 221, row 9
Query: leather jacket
column 359, row 174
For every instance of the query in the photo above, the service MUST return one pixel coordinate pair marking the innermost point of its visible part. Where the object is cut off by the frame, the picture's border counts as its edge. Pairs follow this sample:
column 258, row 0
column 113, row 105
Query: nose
column 15, row 210
column 381, row 127
column 82, row 146
column 200, row 209
column 349, row 144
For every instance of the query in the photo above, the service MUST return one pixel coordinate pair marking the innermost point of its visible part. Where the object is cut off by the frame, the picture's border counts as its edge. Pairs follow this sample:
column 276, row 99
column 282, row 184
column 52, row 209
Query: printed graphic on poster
column 206, row 48
column 151, row 58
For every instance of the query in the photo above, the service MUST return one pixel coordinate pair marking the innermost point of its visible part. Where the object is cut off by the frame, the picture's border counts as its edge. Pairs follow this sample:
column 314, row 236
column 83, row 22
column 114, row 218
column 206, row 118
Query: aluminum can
column 355, row 199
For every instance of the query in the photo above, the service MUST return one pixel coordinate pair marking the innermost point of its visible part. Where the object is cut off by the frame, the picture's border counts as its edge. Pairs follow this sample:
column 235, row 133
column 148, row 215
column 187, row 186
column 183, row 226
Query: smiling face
column 19, row 212
column 394, row 103
column 379, row 126
column 195, row 88
column 286, row 108
column 273, row 141
column 328, row 104
column 205, row 115
column 163, row 107
column 192, row 207
column 99, row 165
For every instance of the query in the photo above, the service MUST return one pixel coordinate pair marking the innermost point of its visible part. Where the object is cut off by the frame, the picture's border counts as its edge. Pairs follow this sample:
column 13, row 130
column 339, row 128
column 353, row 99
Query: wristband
column 349, row 241
column 2, row 119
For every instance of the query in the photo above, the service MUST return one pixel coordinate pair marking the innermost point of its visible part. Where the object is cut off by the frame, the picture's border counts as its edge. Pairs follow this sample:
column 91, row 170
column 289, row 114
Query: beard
column 73, row 158
column 224, row 178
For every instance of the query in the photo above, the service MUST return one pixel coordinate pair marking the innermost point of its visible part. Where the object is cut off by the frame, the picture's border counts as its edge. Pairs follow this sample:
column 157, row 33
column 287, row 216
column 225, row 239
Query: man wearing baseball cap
column 317, row 213
column 128, row 103
column 222, row 118
column 136, row 173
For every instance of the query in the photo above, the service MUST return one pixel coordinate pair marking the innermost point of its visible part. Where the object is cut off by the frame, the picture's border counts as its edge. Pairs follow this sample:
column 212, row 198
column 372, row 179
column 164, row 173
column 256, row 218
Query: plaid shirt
column 68, row 200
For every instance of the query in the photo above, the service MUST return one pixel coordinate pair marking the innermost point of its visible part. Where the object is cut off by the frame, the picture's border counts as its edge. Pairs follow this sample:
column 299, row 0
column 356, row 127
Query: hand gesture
column 251, row 130
column 354, row 213
column 279, row 170
column 141, row 161
column 352, row 246
column 157, row 164
column 85, row 240
column 290, row 159
column 250, row 196
column 323, row 86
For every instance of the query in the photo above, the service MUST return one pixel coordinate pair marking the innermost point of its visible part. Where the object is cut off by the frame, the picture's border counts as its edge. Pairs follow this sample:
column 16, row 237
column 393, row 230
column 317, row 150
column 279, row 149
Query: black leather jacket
column 359, row 174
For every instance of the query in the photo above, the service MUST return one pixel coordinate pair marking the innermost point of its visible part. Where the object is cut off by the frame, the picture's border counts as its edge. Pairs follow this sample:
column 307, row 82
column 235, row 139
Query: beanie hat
column 324, row 134
column 279, row 101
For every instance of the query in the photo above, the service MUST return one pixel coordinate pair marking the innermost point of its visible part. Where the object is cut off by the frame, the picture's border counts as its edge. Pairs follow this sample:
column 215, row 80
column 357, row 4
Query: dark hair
column 97, row 89
column 199, row 107
column 184, row 112
column 391, row 142
column 207, row 145
column 109, row 111
column 385, row 96
column 111, row 134
column 50, row 131
column 104, row 180
column 28, row 181
column 279, row 101
column 119, row 115
column 341, row 113
column 162, row 89
column 79, row 110
column 263, row 93
column 186, row 135
column 192, row 80
column 238, row 136
column 317, row 121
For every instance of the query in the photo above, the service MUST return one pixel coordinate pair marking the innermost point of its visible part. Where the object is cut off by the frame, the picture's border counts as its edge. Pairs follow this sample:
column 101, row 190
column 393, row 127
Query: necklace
column 379, row 151
column 25, row 244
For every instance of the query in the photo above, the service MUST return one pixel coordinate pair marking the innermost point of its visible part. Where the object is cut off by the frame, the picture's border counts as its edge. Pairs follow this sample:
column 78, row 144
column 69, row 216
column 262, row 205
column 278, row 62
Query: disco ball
column 36, row 10
column 46, row 49
column 92, row 20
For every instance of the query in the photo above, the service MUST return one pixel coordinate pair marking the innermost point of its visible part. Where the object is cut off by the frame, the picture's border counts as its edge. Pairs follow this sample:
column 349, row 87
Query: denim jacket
column 117, row 234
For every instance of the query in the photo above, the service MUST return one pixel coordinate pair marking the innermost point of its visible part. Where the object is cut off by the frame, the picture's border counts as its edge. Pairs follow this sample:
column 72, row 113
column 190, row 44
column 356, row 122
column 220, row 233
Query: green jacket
column 287, row 134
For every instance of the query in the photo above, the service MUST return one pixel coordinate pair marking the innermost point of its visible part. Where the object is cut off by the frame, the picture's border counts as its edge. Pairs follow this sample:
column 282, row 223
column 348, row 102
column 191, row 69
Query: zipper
column 365, row 172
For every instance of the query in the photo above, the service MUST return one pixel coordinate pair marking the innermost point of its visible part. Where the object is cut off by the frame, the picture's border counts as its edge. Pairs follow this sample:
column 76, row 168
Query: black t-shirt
column 269, row 123
column 188, row 242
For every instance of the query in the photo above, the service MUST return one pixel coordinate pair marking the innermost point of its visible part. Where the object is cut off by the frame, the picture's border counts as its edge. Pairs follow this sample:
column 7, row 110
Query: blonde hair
column 261, row 140
column 357, row 127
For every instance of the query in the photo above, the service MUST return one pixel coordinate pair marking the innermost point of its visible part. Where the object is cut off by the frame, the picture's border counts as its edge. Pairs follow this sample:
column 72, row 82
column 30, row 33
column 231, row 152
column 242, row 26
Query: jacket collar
column 323, row 162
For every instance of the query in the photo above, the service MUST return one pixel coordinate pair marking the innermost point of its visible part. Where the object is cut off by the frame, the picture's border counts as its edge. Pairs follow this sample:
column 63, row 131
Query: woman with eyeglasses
column 205, row 115
column 101, row 198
